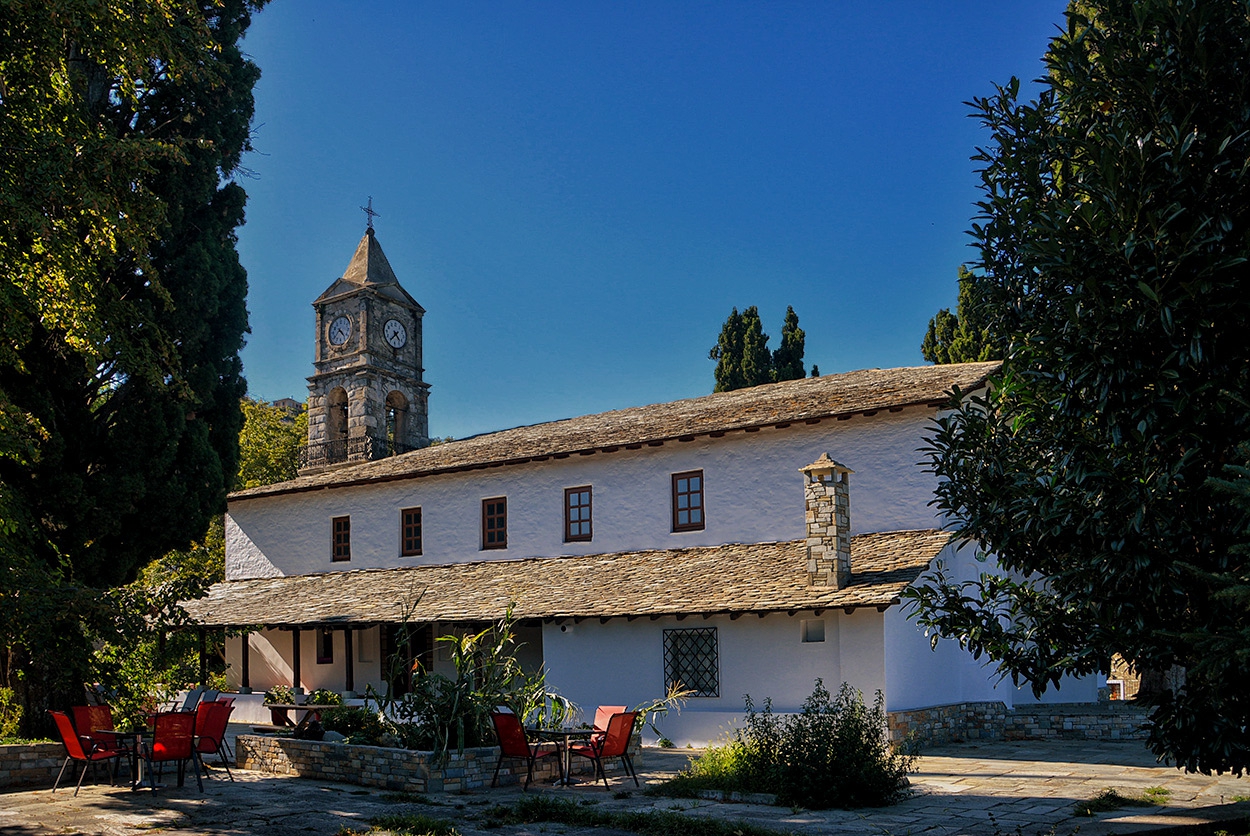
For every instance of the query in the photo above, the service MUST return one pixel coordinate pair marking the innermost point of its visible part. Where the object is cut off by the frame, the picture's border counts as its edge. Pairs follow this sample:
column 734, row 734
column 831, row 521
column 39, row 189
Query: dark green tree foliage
column 742, row 356
column 119, row 375
column 1114, row 233
column 963, row 336
column 757, row 360
column 788, row 358
column 728, row 354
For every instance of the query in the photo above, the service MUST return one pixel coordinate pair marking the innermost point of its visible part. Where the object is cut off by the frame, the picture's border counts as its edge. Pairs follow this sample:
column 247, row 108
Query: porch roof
column 732, row 579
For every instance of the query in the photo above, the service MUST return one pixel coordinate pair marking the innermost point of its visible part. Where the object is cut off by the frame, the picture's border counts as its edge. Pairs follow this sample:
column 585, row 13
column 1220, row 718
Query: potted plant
column 279, row 695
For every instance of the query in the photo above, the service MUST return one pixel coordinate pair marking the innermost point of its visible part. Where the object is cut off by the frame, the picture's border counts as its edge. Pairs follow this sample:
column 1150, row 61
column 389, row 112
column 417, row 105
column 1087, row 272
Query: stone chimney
column 826, row 490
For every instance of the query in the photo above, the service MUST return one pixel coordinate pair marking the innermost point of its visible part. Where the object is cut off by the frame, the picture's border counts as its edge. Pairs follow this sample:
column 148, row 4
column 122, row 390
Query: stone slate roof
column 735, row 579
column 810, row 400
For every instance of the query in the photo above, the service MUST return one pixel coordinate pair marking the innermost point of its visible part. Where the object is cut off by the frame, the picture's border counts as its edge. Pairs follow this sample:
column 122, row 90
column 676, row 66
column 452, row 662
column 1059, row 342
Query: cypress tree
column 788, row 358
column 728, row 354
column 757, row 360
column 964, row 336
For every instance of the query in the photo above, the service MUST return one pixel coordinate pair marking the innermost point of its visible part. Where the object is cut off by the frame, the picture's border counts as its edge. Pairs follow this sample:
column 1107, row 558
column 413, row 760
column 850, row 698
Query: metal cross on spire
column 369, row 213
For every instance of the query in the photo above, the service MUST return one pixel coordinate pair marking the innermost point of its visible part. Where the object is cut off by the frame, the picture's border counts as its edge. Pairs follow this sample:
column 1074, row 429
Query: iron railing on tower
column 359, row 448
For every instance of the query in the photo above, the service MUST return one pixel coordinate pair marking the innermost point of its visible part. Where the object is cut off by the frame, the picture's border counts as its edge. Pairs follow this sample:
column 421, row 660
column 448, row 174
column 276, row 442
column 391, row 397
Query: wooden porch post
column 245, row 686
column 295, row 659
column 350, row 659
column 203, row 659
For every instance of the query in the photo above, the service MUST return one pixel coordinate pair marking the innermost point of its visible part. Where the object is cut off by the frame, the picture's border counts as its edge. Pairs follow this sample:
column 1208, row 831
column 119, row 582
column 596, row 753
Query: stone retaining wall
column 993, row 721
column 34, row 765
column 399, row 770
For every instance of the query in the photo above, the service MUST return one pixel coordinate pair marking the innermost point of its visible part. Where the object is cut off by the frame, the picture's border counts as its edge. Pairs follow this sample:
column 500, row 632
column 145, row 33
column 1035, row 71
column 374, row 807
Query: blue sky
column 578, row 193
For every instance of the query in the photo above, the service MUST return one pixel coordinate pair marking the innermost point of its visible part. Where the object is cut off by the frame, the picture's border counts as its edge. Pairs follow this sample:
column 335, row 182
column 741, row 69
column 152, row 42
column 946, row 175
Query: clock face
column 395, row 333
column 340, row 330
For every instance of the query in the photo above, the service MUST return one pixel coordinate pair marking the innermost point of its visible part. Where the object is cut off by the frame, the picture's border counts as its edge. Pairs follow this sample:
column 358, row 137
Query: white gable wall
column 753, row 493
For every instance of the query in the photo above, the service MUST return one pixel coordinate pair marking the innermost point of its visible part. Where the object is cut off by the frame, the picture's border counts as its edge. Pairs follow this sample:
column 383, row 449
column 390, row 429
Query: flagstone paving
column 982, row 790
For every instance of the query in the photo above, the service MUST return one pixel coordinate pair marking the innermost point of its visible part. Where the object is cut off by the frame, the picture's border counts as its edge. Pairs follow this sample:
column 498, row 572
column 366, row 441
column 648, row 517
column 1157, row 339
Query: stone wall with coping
column 35, row 765
column 993, row 721
column 398, row 770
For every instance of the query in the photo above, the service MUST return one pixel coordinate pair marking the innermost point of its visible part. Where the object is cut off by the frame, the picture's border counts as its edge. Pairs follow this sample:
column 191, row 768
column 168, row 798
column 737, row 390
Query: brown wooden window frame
column 410, row 532
column 584, row 515
column 325, row 646
column 495, row 523
column 340, row 539
column 680, row 506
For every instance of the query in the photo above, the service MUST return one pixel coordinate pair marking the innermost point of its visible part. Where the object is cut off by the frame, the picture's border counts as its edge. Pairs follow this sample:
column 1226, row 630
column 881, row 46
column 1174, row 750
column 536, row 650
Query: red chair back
column 512, row 742
column 604, row 713
column 226, row 700
column 620, row 728
column 69, row 737
column 173, row 735
column 89, row 718
column 211, row 719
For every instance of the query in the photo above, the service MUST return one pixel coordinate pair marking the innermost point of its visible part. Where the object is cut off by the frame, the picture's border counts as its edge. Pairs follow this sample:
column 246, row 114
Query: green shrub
column 834, row 753
column 10, row 714
column 357, row 724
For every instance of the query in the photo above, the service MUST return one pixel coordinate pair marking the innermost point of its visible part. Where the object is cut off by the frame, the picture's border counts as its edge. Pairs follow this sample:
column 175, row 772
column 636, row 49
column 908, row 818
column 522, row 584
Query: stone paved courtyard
column 959, row 789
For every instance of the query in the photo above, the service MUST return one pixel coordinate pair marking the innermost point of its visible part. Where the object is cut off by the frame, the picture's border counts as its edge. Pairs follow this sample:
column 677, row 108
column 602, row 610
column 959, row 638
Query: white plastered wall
column 920, row 675
column 753, row 494
column 622, row 663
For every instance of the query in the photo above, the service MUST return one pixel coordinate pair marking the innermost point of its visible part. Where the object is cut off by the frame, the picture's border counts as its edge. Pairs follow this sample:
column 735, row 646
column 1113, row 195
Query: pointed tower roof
column 369, row 269
column 369, row 264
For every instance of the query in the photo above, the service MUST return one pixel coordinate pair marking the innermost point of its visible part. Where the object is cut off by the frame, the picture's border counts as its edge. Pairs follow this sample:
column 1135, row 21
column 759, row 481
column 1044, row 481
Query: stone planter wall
column 993, row 721
column 399, row 770
column 34, row 765
column 1105, row 721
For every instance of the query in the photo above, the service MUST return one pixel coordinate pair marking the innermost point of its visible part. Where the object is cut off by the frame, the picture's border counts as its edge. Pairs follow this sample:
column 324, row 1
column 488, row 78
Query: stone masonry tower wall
column 367, row 398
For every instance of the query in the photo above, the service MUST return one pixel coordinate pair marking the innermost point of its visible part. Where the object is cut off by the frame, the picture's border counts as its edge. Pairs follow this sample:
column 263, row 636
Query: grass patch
column 649, row 823
column 411, row 824
column 1109, row 799
column 1239, row 798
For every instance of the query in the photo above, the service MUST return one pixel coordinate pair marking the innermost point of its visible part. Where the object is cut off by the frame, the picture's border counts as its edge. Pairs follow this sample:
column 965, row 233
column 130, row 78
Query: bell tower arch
column 366, row 398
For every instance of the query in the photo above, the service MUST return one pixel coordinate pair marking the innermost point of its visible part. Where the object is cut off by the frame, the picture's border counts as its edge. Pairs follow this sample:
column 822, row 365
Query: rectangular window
column 495, row 523
column 325, row 646
column 813, row 630
column 410, row 532
column 576, row 514
column 691, row 661
column 342, row 549
column 688, row 501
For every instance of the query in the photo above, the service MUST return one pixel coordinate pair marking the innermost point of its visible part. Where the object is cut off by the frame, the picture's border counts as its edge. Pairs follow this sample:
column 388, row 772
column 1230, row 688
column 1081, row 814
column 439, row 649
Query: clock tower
column 367, row 399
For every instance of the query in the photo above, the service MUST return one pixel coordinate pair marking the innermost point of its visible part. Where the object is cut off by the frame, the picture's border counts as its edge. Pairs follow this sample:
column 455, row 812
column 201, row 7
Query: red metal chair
column 602, row 715
column 615, row 744
column 74, row 751
column 211, row 719
column 513, row 744
column 89, row 719
column 173, row 739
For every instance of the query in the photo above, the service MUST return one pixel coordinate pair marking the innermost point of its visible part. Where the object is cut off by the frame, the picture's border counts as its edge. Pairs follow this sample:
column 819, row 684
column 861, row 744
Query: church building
column 744, row 542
